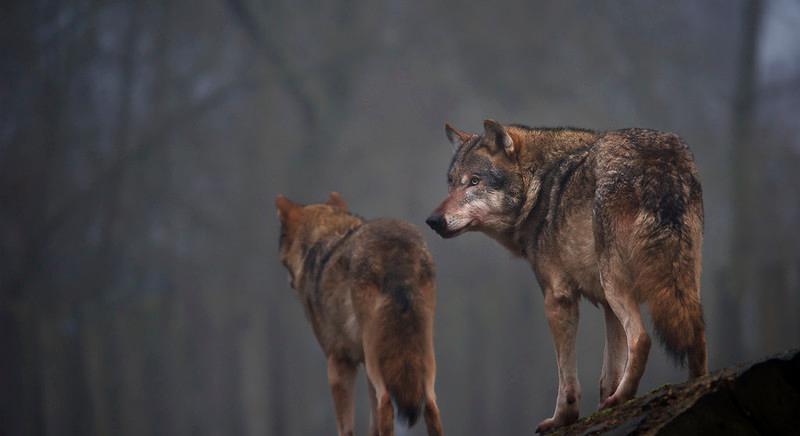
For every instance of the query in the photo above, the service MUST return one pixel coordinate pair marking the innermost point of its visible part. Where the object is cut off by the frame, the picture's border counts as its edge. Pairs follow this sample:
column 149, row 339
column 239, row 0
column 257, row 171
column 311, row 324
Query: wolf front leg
column 341, row 378
column 561, row 309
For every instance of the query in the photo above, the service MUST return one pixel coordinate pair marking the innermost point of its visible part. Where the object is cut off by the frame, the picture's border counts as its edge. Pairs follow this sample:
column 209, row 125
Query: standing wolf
column 368, row 290
column 616, row 217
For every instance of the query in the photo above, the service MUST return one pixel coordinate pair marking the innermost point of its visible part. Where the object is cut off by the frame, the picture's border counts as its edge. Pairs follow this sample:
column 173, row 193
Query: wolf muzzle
column 437, row 222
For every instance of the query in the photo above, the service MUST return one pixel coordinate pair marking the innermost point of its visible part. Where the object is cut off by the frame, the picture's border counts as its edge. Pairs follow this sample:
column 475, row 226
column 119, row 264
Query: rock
column 762, row 398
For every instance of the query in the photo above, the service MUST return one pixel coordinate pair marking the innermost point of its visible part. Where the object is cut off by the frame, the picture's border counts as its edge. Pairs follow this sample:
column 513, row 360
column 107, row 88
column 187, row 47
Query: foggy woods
column 142, row 145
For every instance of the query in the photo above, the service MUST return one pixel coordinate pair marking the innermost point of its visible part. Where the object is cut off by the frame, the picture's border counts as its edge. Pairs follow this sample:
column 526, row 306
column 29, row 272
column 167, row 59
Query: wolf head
column 484, row 182
column 302, row 227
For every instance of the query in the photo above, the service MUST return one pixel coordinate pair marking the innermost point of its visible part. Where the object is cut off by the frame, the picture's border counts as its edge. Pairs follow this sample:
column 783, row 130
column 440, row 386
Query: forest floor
column 758, row 398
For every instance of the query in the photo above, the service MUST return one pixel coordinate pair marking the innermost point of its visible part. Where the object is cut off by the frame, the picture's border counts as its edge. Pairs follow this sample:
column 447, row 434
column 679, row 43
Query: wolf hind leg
column 385, row 415
column 431, row 412
column 383, row 410
column 614, row 354
column 373, row 404
column 341, row 378
column 620, row 295
column 432, row 421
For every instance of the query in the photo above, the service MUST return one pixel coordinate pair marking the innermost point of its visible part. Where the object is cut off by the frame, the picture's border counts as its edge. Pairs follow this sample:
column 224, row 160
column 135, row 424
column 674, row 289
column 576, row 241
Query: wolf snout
column 437, row 222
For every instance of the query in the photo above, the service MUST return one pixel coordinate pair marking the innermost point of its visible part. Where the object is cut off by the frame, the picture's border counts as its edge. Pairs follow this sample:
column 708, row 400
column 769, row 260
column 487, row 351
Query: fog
column 142, row 145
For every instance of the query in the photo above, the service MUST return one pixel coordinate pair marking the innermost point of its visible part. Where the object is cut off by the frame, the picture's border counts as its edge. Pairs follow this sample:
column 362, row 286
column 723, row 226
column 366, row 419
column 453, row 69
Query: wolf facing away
column 368, row 290
column 615, row 217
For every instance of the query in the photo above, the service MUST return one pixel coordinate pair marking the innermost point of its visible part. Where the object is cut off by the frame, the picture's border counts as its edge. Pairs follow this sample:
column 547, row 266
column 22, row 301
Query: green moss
column 600, row 413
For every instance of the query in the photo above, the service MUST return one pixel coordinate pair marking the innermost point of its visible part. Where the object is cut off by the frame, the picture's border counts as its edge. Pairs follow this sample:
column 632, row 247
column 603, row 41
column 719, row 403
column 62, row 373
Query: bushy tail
column 675, row 300
column 405, row 338
column 677, row 315
column 404, row 382
column 403, row 357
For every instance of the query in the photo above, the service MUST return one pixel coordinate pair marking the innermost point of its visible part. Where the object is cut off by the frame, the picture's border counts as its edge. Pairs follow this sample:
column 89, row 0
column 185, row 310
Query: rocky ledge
column 758, row 399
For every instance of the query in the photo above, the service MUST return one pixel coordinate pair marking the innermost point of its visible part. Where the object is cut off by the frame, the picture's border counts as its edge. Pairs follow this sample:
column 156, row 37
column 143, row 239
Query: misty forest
column 142, row 145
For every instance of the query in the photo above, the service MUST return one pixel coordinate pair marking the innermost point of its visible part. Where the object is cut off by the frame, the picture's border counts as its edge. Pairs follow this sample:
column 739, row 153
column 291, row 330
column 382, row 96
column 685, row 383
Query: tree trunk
column 744, row 165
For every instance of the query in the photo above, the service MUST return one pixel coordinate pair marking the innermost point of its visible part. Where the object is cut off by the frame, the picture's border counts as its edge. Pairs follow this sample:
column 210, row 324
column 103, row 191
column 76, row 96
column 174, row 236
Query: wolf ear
column 498, row 135
column 455, row 136
column 336, row 200
column 285, row 207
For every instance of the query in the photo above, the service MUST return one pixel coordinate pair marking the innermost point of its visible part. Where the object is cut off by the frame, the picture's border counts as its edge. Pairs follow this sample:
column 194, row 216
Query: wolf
column 368, row 290
column 615, row 217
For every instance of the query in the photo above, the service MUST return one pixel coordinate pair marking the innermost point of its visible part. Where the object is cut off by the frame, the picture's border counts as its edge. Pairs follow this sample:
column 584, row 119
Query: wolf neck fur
column 318, row 252
column 541, row 146
column 541, row 150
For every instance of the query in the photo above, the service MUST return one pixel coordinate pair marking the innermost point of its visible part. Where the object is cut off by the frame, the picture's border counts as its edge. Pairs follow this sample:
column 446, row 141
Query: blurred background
column 142, row 145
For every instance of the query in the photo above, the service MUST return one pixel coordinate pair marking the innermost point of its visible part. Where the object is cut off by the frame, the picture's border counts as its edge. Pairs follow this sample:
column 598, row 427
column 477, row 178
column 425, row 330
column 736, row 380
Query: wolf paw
column 556, row 421
column 546, row 425
column 612, row 401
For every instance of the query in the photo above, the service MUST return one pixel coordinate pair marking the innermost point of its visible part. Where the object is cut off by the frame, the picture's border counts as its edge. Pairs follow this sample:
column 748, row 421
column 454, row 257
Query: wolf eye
column 474, row 181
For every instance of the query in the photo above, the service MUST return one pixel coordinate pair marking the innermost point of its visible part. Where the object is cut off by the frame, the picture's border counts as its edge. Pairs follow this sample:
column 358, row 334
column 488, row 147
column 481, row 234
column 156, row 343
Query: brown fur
column 368, row 290
column 615, row 217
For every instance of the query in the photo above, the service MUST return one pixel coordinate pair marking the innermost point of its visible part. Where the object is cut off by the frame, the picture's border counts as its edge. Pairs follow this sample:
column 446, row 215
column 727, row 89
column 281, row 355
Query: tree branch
column 146, row 146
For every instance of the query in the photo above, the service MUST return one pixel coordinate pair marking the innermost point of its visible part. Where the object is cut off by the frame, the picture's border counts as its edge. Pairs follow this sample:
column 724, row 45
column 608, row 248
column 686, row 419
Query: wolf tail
column 403, row 365
column 404, row 382
column 678, row 319
column 676, row 310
